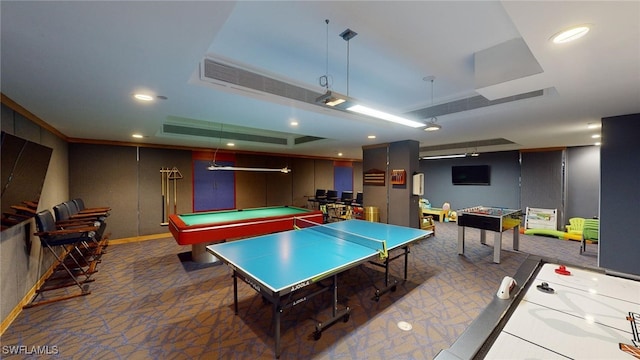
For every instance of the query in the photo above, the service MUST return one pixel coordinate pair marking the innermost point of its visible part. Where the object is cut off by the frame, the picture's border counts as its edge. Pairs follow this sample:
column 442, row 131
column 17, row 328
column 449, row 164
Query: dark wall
column 504, row 190
column 543, row 182
column 375, row 157
column 620, row 194
column 23, row 261
column 541, row 176
column 107, row 176
column 149, row 184
column 303, row 181
column 128, row 180
column 583, row 182
column 396, row 204
column 403, row 206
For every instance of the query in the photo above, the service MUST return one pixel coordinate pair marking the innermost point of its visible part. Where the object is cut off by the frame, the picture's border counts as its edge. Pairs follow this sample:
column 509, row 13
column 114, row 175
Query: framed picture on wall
column 374, row 177
column 398, row 177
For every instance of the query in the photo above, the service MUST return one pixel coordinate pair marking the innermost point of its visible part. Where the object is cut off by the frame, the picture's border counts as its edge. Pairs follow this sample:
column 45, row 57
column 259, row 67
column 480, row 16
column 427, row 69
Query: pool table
column 203, row 228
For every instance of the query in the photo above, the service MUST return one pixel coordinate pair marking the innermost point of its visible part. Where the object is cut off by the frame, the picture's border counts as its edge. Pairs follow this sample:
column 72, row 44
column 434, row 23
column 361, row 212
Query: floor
column 149, row 302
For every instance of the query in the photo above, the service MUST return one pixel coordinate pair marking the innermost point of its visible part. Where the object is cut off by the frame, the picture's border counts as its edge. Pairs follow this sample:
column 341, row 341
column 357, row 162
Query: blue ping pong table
column 283, row 266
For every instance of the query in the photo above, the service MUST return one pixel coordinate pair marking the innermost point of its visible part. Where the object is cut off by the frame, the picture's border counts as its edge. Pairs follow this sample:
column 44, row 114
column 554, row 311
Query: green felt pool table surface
column 239, row 215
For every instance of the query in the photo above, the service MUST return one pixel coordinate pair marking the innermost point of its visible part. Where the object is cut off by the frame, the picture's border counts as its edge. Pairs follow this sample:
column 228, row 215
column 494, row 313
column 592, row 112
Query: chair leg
column 81, row 284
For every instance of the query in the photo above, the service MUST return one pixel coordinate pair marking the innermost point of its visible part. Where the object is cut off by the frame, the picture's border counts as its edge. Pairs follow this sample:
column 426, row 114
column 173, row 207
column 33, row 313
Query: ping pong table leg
column 385, row 265
column 235, row 291
column 386, row 273
column 276, row 323
column 406, row 262
column 337, row 315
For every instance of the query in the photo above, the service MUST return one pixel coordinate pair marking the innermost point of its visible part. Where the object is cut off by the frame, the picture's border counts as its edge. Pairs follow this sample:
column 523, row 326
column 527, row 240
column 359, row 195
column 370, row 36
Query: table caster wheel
column 394, row 288
column 345, row 318
column 317, row 335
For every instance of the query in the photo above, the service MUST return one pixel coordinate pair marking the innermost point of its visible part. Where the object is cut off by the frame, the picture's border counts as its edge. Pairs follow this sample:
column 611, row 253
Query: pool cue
column 175, row 193
column 163, row 194
column 168, row 192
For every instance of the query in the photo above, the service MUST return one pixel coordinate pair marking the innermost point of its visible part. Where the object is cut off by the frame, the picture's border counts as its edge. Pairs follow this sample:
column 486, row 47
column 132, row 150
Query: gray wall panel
column 377, row 196
column 323, row 174
column 403, row 206
column 7, row 115
column 302, row 181
column 542, row 182
column 149, row 183
column 357, row 178
column 620, row 194
column 279, row 186
column 107, row 176
column 504, row 190
column 251, row 187
column 583, row 182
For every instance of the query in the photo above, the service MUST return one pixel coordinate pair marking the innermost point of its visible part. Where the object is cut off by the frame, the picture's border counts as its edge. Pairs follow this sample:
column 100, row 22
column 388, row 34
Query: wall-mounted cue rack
column 169, row 178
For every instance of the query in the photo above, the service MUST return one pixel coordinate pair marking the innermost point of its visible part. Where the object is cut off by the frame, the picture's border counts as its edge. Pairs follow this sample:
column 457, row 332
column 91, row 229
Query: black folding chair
column 76, row 213
column 346, row 197
column 64, row 221
column 321, row 195
column 82, row 209
column 74, row 266
column 358, row 200
column 332, row 196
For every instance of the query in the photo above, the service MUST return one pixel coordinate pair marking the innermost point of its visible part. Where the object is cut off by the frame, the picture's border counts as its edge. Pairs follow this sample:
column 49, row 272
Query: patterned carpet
column 147, row 303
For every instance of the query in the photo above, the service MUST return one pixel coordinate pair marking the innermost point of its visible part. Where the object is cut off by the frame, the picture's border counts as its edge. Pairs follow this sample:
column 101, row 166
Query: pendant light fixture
column 432, row 123
column 344, row 102
column 213, row 166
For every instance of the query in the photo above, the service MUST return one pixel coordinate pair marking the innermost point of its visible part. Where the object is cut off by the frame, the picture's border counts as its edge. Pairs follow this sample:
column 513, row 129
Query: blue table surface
column 284, row 259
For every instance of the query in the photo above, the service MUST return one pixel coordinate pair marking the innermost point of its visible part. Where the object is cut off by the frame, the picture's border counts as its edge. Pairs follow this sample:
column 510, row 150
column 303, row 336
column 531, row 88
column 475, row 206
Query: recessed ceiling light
column 143, row 97
column 371, row 137
column 571, row 34
column 231, row 144
column 339, row 154
column 593, row 126
column 137, row 136
column 595, row 136
column 598, row 143
column 293, row 123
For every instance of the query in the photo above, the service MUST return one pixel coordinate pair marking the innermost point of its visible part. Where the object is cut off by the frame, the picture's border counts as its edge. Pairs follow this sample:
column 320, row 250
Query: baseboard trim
column 138, row 238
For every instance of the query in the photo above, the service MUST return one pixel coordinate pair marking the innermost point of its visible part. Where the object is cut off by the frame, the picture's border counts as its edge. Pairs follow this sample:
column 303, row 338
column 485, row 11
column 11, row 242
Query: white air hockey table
column 557, row 313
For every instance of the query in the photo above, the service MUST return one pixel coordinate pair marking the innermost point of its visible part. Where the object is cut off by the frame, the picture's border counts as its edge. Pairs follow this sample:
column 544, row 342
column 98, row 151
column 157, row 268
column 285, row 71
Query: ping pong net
column 379, row 245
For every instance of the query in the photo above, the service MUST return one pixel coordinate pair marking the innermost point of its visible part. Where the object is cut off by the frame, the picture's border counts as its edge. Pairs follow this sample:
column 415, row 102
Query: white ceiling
column 76, row 64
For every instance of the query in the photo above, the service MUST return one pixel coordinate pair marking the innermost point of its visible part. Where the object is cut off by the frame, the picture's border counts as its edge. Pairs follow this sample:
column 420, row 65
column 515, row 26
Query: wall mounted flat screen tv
column 471, row 175
column 23, row 169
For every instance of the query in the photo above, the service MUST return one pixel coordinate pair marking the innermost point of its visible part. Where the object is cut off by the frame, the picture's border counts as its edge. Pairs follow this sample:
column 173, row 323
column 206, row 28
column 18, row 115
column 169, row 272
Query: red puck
column 562, row 270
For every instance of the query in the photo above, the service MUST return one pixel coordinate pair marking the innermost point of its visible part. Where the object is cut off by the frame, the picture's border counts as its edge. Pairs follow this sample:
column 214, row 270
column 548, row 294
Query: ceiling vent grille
column 186, row 130
column 468, row 145
column 235, row 135
column 214, row 71
column 306, row 139
column 467, row 104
